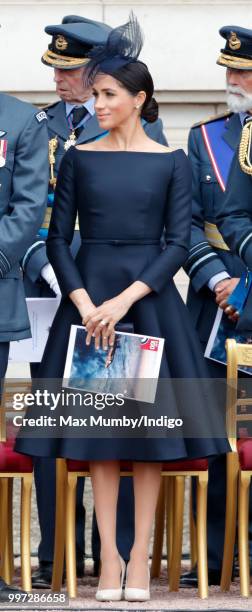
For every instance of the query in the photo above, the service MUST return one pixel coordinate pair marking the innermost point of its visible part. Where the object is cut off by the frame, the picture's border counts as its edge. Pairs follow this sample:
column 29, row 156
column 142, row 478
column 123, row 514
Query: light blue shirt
column 89, row 105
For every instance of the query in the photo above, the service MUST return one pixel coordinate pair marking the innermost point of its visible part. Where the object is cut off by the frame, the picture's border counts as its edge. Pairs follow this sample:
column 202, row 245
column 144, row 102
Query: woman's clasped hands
column 101, row 320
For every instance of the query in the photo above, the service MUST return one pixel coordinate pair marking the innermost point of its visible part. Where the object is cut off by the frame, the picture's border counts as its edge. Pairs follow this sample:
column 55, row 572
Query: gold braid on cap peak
column 245, row 149
column 234, row 61
column 63, row 60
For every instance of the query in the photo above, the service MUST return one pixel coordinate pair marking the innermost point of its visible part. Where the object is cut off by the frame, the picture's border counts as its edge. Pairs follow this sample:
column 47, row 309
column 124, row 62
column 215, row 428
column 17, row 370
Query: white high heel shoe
column 112, row 594
column 135, row 594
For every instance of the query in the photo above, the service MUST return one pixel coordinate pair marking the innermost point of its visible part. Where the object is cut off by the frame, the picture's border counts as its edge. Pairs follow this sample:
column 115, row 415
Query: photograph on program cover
column 223, row 329
column 133, row 358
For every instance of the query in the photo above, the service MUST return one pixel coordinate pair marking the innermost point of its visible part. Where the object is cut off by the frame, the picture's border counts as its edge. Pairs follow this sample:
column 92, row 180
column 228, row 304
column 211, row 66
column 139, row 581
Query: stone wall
column 181, row 46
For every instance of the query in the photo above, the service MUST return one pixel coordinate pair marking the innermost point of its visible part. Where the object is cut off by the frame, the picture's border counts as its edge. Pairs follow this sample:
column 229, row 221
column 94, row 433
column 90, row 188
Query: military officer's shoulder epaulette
column 41, row 116
column 224, row 115
column 24, row 111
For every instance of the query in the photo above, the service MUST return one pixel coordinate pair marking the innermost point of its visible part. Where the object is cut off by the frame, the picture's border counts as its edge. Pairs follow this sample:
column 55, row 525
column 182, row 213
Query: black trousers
column 4, row 354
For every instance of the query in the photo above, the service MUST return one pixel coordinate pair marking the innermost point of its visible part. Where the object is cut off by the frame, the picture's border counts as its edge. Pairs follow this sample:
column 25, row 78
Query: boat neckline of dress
column 124, row 151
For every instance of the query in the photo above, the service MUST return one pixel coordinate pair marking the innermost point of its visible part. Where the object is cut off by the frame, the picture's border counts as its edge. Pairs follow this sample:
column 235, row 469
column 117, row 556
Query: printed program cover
column 131, row 367
column 222, row 329
column 41, row 313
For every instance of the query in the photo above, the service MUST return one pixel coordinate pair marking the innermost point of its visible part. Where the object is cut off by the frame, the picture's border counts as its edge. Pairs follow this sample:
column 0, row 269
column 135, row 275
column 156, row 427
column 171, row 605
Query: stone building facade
column 181, row 46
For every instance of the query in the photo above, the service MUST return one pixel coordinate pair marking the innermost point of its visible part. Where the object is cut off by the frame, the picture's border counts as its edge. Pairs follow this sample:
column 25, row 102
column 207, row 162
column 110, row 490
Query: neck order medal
column 71, row 141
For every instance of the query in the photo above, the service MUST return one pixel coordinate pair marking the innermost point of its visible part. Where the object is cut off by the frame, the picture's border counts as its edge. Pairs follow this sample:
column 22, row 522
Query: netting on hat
column 123, row 46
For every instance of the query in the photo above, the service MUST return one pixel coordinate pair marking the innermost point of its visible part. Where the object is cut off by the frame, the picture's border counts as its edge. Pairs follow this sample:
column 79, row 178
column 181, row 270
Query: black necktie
column 78, row 114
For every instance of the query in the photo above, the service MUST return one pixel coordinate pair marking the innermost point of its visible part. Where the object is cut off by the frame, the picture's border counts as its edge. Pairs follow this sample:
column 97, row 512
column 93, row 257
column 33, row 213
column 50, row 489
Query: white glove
column 48, row 275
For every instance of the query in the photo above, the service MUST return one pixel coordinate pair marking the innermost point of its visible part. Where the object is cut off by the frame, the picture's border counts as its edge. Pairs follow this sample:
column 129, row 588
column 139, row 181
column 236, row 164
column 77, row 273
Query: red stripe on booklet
column 150, row 344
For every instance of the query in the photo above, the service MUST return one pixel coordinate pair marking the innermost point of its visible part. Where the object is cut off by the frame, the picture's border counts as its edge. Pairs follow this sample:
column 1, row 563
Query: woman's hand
column 83, row 303
column 100, row 323
column 86, row 309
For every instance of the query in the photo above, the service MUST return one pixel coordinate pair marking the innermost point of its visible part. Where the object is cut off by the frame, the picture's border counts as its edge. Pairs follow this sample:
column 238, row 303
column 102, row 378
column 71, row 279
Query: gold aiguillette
column 53, row 144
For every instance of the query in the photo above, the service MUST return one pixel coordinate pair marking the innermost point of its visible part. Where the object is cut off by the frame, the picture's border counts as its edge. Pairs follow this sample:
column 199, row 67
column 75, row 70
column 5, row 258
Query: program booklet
column 41, row 313
column 130, row 367
column 222, row 329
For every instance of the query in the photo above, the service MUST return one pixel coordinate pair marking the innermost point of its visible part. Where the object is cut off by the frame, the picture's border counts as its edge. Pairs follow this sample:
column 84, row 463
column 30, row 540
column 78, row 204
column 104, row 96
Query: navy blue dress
column 124, row 200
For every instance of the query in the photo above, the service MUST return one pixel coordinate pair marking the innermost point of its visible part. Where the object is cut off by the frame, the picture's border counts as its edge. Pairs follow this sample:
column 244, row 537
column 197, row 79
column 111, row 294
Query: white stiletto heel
column 112, row 594
column 135, row 594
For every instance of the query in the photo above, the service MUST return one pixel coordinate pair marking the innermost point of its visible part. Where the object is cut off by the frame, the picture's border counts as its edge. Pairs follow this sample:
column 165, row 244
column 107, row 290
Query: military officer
column 213, row 270
column 237, row 226
column 23, row 180
column 235, row 214
column 71, row 121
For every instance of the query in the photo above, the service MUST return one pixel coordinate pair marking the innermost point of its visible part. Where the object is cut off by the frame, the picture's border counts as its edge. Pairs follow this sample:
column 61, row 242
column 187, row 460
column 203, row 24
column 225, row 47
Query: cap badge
column 61, row 43
column 234, row 41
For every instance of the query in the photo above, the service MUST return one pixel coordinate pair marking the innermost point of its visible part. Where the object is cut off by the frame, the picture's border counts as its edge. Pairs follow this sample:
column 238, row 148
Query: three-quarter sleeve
column 178, row 215
column 61, row 229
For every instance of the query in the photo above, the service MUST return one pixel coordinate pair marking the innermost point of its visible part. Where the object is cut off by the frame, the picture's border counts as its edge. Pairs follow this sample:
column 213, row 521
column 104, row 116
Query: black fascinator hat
column 123, row 46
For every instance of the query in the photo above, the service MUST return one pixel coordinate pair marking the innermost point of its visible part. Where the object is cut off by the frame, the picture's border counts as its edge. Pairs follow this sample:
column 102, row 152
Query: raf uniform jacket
column 235, row 222
column 23, row 181
column 235, row 214
column 205, row 260
column 58, row 126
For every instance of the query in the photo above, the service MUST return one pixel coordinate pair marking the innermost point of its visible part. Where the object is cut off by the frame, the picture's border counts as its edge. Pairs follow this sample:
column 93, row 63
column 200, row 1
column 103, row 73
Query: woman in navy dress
column 125, row 188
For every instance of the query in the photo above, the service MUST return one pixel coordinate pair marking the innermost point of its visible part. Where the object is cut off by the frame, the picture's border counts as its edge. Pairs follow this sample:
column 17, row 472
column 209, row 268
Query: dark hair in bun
column 150, row 111
column 136, row 77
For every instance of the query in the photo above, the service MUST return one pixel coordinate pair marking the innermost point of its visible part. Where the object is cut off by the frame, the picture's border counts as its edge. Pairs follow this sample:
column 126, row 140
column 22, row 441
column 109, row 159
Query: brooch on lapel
column 71, row 141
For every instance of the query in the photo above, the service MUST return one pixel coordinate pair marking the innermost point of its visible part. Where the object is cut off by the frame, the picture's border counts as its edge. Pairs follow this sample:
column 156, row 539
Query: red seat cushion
column 244, row 447
column 10, row 461
column 186, row 465
column 126, row 466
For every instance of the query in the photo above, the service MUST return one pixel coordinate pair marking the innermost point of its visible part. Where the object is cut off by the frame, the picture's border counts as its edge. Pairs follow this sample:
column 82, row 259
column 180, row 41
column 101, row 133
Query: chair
column 14, row 465
column 239, row 471
column 67, row 473
column 165, row 496
column 171, row 504
column 193, row 532
column 165, row 517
